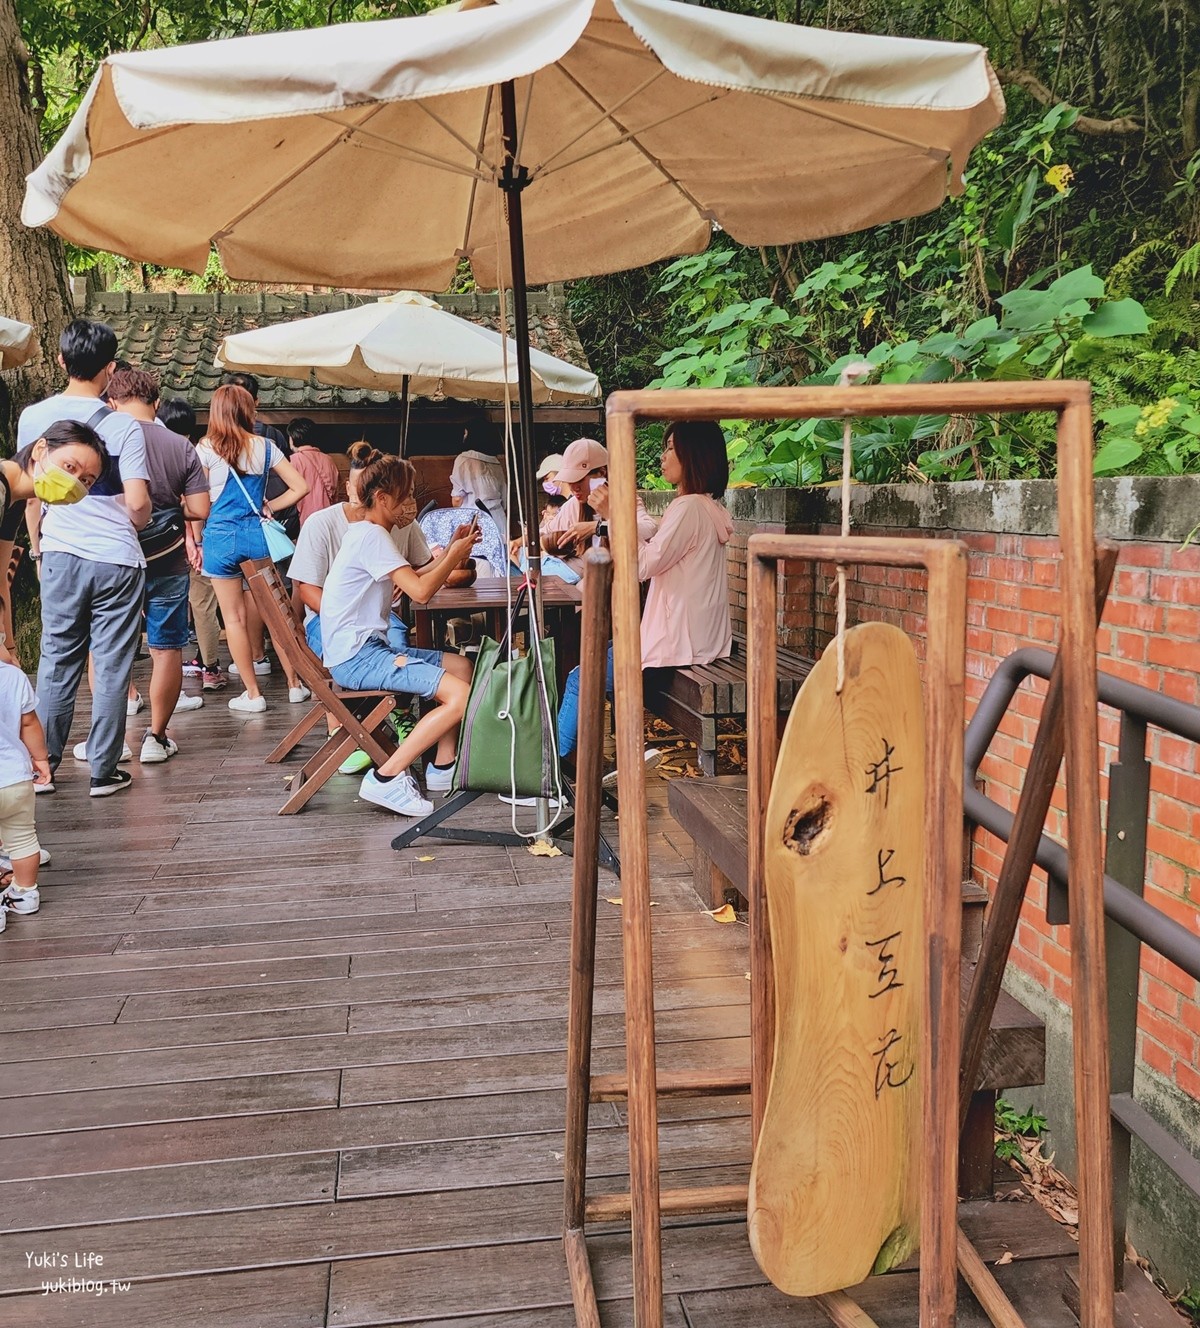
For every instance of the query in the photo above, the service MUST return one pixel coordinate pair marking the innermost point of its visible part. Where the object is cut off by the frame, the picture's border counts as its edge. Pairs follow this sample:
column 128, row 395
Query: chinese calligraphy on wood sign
column 834, row 1193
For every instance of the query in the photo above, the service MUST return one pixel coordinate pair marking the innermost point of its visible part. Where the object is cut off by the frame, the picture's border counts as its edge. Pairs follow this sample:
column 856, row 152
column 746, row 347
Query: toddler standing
column 23, row 761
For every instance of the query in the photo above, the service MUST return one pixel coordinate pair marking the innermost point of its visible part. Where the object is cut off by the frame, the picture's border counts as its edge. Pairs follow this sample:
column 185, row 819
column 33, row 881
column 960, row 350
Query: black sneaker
column 114, row 783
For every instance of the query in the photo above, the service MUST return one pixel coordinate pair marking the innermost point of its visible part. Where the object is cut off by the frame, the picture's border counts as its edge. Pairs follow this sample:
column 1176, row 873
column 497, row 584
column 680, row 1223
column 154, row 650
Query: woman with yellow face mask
column 59, row 467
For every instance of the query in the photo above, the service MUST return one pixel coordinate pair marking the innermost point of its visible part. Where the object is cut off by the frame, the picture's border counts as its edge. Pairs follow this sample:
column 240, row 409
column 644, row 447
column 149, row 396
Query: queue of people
column 132, row 526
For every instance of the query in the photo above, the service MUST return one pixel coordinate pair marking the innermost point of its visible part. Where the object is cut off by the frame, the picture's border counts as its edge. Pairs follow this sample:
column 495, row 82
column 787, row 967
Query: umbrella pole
column 405, row 403
column 513, row 180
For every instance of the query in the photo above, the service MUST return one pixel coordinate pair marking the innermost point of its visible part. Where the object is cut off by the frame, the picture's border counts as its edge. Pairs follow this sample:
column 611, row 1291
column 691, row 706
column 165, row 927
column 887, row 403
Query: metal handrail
column 1171, row 939
column 1131, row 919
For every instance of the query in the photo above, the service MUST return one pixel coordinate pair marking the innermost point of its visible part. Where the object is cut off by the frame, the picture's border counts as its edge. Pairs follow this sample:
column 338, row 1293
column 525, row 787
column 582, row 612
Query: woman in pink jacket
column 686, row 618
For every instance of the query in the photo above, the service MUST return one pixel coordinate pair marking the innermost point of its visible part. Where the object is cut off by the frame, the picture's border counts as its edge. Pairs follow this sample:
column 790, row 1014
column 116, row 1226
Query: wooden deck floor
column 273, row 1074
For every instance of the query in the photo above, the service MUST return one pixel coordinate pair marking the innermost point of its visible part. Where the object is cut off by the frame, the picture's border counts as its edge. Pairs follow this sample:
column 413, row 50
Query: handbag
column 162, row 534
column 279, row 547
column 508, row 741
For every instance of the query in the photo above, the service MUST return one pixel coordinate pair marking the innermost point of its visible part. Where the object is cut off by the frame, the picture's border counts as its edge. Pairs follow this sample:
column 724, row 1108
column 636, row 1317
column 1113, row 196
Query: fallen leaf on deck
column 609, row 899
column 428, row 857
column 543, row 848
column 725, row 913
column 1006, row 1257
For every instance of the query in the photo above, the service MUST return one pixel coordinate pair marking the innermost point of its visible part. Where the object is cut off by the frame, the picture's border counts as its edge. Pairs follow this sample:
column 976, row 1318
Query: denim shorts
column 374, row 669
column 397, row 638
column 228, row 544
column 167, row 611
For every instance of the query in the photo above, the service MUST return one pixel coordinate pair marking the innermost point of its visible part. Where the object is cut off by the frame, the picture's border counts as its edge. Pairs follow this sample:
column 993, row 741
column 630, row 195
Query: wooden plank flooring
column 274, row 1074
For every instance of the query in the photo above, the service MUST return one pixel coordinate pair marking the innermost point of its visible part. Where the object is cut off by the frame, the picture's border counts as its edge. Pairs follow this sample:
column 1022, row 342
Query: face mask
column 550, row 487
column 58, row 486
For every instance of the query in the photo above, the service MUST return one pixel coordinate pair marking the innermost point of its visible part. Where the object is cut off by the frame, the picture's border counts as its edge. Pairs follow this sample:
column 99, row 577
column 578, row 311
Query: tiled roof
column 176, row 335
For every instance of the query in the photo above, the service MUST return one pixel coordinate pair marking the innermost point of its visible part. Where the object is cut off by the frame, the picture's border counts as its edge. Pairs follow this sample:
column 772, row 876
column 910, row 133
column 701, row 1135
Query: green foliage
column 1188, row 1301
column 1013, row 1125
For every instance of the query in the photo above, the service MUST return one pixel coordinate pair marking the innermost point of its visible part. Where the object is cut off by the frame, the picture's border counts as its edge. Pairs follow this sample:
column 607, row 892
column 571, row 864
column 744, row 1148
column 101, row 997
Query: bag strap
column 102, row 413
column 506, row 639
column 245, row 491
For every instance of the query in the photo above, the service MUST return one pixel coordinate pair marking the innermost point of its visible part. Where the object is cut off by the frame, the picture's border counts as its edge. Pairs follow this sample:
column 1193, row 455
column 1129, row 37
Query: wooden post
column 635, row 877
column 1086, row 861
column 762, row 601
column 597, row 589
column 945, row 669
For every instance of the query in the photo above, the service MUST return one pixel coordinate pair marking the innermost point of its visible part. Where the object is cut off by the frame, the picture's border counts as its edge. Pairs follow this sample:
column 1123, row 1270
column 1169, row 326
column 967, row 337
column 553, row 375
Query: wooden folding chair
column 360, row 716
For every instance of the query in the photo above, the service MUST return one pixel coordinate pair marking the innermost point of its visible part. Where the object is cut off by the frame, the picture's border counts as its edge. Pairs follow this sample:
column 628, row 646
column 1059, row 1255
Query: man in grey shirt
column 92, row 568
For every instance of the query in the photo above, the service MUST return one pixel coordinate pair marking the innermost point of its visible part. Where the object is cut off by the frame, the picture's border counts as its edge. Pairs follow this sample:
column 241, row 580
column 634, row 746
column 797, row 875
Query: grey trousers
column 87, row 606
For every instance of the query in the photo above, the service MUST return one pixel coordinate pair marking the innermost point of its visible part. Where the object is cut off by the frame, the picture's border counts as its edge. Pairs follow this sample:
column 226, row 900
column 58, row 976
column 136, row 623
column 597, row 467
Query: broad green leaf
column 1080, row 284
column 1117, row 318
column 1115, row 454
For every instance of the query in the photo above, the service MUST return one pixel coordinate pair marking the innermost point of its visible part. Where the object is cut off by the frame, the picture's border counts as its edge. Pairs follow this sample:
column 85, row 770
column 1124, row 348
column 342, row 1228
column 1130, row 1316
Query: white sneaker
column 80, row 753
column 438, row 781
column 187, row 702
column 556, row 803
column 6, row 861
column 261, row 668
column 651, row 756
column 297, row 695
column 135, row 704
column 400, row 795
column 155, row 749
column 21, row 902
column 251, row 705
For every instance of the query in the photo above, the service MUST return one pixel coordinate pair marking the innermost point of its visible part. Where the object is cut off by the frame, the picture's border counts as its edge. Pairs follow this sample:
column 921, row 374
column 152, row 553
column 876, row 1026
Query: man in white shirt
column 91, row 564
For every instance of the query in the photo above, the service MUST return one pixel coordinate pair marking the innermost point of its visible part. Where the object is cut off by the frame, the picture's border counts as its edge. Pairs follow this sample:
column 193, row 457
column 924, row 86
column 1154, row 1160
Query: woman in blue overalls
column 237, row 462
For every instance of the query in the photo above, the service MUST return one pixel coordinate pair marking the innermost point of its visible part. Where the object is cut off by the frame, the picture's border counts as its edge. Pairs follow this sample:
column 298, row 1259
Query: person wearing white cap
column 568, row 531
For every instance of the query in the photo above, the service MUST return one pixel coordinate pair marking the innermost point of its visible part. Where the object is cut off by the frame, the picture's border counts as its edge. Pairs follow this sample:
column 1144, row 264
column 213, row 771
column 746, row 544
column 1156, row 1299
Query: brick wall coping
column 1140, row 507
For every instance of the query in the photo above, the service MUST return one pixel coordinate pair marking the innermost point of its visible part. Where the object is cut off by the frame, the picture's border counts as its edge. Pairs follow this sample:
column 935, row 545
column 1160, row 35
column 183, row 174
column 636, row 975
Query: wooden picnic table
column 490, row 596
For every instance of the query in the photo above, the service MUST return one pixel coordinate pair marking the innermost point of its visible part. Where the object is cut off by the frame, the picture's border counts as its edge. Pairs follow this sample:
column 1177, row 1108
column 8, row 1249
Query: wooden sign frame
column 1071, row 402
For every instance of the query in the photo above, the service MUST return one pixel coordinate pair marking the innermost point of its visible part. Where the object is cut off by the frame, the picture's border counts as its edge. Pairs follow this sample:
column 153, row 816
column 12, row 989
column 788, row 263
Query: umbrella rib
column 470, row 213
column 818, row 109
column 628, row 136
column 542, row 167
column 477, row 153
column 380, row 142
column 346, row 131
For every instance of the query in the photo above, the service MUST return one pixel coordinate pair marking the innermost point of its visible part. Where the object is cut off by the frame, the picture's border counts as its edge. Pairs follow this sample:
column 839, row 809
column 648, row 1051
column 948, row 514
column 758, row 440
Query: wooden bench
column 713, row 812
column 698, row 697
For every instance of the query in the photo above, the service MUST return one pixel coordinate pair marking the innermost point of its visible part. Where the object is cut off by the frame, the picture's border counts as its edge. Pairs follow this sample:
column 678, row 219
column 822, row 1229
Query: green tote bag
column 498, row 719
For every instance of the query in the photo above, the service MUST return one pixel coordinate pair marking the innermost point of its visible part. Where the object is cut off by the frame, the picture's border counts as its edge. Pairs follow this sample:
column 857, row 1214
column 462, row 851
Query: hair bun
column 362, row 454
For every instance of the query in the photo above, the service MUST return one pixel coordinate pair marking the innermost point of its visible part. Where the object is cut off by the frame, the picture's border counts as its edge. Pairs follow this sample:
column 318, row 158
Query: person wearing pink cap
column 569, row 530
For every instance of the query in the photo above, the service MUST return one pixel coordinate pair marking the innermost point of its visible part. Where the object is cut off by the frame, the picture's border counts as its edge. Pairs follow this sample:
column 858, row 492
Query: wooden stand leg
column 977, row 1148
column 597, row 589
column 1089, row 989
column 635, row 881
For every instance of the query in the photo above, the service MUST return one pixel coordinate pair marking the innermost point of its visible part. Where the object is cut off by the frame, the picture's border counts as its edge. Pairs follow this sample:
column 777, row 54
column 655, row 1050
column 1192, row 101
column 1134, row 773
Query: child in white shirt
column 23, row 761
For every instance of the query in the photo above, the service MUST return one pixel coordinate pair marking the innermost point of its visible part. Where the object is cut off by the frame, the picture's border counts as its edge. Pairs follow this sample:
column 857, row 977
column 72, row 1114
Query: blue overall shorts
column 233, row 532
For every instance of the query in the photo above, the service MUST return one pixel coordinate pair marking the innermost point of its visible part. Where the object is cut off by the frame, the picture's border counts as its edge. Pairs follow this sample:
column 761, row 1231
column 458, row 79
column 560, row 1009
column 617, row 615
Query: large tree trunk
column 33, row 273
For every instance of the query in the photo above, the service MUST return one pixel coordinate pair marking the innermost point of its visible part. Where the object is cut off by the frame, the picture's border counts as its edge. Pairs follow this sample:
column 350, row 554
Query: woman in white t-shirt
column 237, row 463
column 356, row 604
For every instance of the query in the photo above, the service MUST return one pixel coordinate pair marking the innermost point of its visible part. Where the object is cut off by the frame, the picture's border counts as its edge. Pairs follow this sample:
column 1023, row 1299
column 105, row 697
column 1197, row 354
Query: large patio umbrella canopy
column 403, row 343
column 360, row 155
column 18, row 343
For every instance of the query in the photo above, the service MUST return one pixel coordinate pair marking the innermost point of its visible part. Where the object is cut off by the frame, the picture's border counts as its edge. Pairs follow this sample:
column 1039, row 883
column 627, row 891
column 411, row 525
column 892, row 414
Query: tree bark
column 33, row 272
column 1123, row 126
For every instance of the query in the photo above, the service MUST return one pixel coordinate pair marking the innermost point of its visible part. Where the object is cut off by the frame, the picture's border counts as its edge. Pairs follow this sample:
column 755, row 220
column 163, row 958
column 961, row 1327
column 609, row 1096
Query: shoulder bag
column 279, row 546
column 508, row 741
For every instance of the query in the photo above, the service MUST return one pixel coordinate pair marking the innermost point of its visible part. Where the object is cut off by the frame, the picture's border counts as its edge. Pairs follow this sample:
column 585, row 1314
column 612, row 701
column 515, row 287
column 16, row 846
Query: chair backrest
column 279, row 614
column 439, row 525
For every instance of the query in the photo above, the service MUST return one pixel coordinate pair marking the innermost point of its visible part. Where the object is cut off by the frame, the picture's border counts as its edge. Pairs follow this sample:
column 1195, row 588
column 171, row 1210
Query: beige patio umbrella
column 620, row 132
column 405, row 343
column 18, row 343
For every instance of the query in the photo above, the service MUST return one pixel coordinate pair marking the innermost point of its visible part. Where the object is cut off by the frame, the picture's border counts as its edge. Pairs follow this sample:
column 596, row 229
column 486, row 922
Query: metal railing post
column 1125, row 861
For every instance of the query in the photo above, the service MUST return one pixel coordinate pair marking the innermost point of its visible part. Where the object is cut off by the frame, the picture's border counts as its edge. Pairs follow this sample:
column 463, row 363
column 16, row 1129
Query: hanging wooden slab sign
column 834, row 1190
